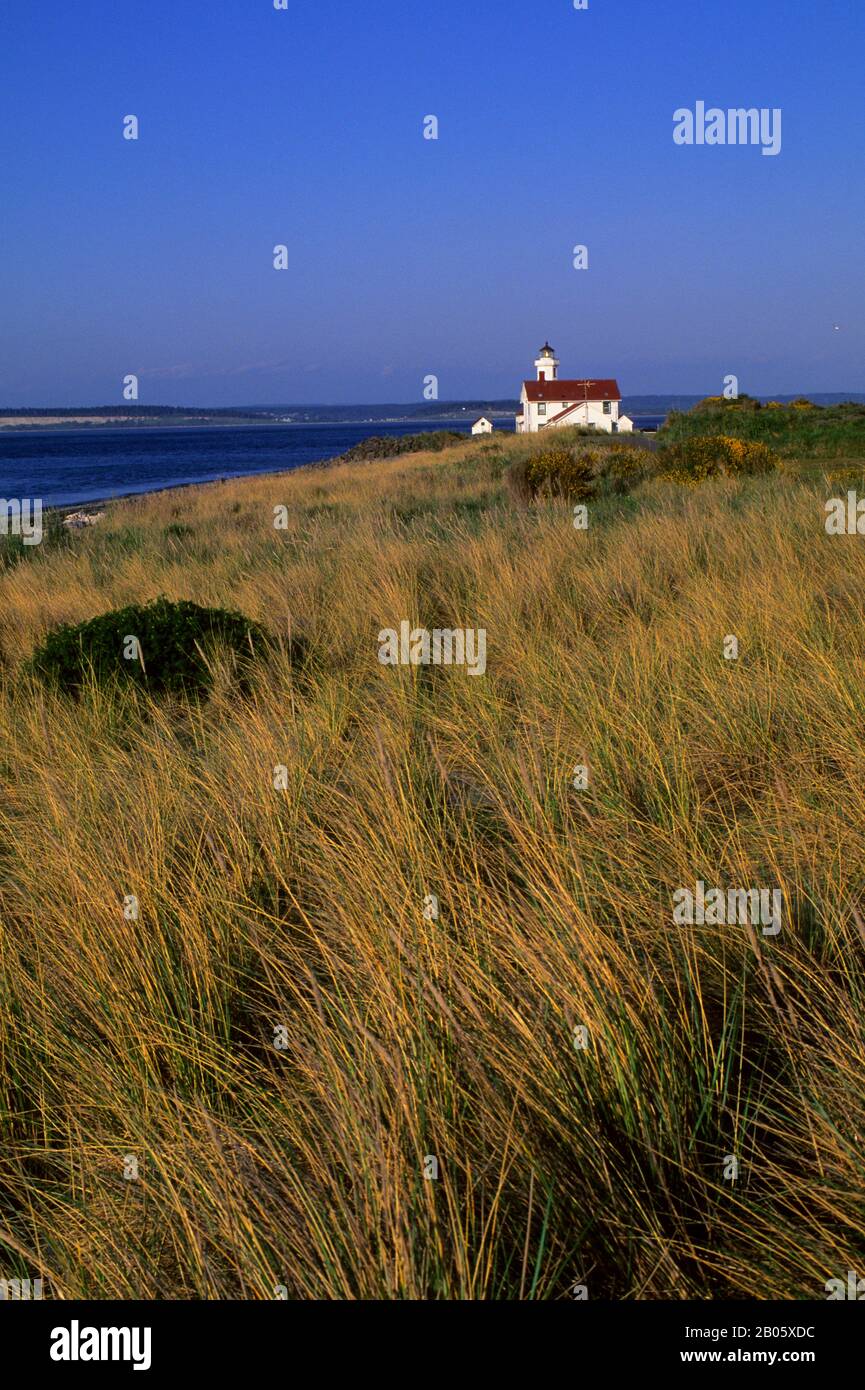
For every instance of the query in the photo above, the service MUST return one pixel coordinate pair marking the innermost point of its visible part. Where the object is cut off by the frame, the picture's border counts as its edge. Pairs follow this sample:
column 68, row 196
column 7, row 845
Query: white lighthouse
column 547, row 364
column 551, row 403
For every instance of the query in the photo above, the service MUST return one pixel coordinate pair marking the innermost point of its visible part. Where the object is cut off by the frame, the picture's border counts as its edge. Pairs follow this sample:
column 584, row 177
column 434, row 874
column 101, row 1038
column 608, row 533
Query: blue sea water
column 69, row 466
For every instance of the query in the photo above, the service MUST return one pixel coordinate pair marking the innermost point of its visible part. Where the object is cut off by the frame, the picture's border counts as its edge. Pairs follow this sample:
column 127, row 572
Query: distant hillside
column 271, row 414
column 424, row 411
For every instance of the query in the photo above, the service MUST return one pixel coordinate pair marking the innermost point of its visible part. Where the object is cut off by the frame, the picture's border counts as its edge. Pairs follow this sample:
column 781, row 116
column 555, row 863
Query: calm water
column 66, row 466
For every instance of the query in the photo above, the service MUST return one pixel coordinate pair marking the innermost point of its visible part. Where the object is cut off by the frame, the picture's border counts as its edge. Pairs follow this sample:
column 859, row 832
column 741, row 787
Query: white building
column 482, row 426
column 548, row 403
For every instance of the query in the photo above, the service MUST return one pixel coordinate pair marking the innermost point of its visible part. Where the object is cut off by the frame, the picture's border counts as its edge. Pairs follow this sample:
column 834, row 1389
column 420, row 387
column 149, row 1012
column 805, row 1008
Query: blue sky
column 410, row 257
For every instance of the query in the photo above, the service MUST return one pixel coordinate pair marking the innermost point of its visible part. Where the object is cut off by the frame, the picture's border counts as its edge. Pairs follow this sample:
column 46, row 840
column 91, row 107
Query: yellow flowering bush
column 708, row 456
column 745, row 457
column 560, row 472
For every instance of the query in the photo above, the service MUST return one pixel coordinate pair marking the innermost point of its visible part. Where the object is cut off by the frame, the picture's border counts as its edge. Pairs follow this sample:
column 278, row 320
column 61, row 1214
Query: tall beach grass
column 284, row 1037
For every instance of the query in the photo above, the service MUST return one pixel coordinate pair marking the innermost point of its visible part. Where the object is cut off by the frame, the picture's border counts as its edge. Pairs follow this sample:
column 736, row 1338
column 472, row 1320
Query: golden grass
column 302, row 1166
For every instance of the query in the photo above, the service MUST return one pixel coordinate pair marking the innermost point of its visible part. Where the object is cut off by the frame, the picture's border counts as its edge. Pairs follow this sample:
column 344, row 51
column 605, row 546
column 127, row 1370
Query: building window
column 607, row 407
column 542, row 408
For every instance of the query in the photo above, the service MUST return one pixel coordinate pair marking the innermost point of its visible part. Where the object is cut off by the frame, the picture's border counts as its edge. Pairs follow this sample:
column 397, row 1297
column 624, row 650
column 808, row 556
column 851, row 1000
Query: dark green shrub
column 378, row 446
column 625, row 468
column 175, row 641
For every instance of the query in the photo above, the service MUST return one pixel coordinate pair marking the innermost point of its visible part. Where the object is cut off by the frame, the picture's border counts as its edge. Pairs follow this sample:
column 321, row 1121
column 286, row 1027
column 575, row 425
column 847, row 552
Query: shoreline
column 85, row 504
column 119, row 426
column 79, row 503
column 92, row 502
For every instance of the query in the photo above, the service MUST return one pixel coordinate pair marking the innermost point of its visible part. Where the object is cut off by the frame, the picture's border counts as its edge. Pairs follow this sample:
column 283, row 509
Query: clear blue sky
column 412, row 256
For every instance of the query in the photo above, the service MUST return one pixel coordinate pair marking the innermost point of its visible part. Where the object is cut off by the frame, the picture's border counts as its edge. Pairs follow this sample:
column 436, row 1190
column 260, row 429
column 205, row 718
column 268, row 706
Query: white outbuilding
column 549, row 403
column 482, row 426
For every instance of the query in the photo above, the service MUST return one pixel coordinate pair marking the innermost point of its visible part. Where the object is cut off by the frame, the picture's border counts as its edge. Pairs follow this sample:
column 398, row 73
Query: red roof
column 575, row 391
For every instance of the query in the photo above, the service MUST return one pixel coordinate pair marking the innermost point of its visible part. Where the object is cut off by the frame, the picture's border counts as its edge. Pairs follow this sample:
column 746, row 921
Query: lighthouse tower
column 547, row 364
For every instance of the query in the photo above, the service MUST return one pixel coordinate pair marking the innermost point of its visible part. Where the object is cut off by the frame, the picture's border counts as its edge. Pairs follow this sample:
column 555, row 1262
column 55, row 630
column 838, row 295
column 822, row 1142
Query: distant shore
column 27, row 420
column 12, row 423
column 66, row 508
column 21, row 420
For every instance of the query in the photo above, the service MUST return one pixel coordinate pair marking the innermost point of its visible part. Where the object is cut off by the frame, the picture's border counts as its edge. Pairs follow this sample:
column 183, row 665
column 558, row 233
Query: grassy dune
column 301, row 1164
column 798, row 432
